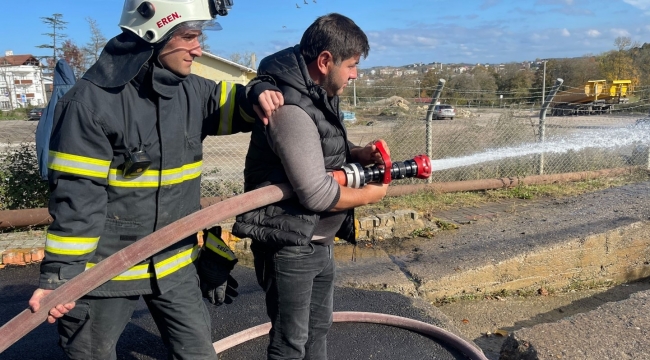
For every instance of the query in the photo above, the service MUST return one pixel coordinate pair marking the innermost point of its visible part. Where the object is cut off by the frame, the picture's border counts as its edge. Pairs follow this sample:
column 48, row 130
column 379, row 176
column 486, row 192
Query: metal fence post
column 429, row 130
column 542, row 120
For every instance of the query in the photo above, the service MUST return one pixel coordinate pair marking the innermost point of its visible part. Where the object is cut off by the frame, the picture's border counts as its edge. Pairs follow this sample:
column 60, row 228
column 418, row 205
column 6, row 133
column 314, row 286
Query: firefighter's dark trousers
column 91, row 329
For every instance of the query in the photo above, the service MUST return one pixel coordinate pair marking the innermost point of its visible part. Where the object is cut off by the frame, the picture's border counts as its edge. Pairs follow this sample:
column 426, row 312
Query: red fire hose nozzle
column 356, row 176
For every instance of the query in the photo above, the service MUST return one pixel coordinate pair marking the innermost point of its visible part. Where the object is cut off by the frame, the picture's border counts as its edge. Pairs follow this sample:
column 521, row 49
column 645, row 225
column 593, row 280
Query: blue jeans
column 299, row 286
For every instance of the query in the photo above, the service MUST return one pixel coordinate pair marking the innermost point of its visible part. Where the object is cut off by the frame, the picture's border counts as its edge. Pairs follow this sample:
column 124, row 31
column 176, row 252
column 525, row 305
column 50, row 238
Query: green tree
column 618, row 64
column 57, row 24
column 514, row 83
column 430, row 80
column 641, row 58
column 486, row 81
column 462, row 88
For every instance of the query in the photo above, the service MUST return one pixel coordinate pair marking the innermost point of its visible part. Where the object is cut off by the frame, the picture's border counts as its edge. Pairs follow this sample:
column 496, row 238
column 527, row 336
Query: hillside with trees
column 512, row 83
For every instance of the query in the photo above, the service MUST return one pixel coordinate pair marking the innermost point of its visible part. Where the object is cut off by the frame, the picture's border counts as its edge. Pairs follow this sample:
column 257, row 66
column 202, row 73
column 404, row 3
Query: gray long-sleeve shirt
column 293, row 136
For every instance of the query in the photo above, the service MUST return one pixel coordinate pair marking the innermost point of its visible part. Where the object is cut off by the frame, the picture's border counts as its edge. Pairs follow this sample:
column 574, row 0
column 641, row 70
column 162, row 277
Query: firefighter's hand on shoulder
column 214, row 266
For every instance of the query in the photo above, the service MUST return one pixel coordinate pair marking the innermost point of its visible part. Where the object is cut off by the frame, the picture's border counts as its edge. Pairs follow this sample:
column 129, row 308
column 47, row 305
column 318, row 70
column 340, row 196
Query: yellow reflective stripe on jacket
column 176, row 262
column 136, row 272
column 219, row 246
column 155, row 178
column 226, row 108
column 78, row 165
column 64, row 245
column 163, row 268
column 245, row 116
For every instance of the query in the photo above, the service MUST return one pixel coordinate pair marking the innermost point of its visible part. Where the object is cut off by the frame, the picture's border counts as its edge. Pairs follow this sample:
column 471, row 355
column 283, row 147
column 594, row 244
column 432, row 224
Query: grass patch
column 426, row 232
column 527, row 292
column 445, row 225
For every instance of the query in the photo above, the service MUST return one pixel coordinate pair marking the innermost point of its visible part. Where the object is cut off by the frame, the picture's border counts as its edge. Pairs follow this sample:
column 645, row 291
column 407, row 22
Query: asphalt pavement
column 141, row 339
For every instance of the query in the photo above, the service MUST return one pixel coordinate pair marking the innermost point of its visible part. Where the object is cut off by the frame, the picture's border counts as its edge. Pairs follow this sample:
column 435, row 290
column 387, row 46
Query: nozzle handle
column 387, row 163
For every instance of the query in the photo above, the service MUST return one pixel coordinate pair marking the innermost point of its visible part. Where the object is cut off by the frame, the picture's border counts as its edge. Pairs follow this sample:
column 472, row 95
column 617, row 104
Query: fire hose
column 353, row 175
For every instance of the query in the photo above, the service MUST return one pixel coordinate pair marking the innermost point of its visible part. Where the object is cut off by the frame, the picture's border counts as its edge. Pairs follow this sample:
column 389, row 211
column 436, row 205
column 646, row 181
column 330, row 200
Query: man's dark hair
column 337, row 34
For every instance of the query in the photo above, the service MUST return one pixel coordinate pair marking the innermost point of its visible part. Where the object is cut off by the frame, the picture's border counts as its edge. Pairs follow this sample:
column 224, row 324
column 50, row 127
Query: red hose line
column 140, row 250
column 433, row 331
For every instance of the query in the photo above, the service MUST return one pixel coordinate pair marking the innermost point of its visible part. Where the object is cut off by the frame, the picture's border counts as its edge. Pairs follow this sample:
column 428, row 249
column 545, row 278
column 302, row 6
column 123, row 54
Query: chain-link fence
column 493, row 142
column 484, row 140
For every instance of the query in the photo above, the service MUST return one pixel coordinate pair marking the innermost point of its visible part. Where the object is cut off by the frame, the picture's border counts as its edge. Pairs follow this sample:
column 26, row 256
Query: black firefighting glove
column 214, row 265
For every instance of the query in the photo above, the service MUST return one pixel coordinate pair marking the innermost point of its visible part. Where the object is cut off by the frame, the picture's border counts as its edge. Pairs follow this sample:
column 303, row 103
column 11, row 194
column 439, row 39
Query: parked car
column 444, row 111
column 35, row 113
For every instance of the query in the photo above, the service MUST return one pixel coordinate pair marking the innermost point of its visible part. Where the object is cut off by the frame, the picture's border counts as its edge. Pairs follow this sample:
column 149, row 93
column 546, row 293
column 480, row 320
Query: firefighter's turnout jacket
column 96, row 211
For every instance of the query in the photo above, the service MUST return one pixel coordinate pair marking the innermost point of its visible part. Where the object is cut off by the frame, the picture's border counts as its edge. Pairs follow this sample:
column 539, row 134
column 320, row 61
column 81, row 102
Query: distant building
column 216, row 68
column 21, row 82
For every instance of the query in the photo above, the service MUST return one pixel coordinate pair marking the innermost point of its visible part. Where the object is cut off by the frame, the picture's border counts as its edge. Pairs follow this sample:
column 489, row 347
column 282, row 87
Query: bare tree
column 245, row 58
column 94, row 47
column 3, row 75
column 56, row 22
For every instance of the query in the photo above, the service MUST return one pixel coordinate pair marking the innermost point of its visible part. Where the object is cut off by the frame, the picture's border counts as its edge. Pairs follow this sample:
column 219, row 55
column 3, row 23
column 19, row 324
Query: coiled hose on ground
column 423, row 328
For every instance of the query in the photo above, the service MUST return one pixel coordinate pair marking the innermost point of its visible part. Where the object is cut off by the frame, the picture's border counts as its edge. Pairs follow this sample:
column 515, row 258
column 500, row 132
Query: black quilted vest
column 288, row 223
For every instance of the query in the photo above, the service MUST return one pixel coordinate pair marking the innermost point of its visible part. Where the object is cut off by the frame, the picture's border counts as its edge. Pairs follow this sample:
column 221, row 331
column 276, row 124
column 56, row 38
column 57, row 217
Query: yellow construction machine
column 597, row 98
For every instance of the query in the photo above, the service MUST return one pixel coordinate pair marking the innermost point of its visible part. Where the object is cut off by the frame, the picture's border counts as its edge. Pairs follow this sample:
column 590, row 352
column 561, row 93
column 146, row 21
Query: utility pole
column 544, row 82
column 428, row 124
column 542, row 121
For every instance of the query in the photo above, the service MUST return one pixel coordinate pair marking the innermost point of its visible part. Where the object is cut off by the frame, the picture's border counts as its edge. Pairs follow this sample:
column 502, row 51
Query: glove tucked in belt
column 214, row 266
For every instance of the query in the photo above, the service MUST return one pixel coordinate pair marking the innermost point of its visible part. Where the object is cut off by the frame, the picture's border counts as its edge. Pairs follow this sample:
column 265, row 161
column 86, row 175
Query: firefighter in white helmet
column 124, row 161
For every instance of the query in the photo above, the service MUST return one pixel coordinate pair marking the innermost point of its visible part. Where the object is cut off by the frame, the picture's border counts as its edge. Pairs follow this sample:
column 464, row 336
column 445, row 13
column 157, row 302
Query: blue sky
column 400, row 31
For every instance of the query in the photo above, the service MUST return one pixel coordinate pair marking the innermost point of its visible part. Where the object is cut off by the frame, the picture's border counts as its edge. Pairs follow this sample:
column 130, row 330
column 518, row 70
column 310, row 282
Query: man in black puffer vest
column 304, row 141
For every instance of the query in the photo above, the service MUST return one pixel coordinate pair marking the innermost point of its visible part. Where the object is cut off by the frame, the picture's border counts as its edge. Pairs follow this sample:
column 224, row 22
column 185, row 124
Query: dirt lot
column 488, row 322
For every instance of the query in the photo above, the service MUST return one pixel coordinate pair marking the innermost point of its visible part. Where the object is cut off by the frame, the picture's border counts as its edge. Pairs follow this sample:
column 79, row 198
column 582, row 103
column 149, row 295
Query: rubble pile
column 393, row 101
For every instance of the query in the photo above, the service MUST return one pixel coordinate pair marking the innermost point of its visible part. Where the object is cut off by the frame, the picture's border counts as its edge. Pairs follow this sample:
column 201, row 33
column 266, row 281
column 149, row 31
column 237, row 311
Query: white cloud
column 619, row 32
column 593, row 33
column 538, row 37
column 641, row 4
column 565, row 32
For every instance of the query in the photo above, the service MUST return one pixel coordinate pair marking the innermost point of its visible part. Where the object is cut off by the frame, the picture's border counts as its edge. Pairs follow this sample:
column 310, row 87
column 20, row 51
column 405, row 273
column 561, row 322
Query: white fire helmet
column 151, row 20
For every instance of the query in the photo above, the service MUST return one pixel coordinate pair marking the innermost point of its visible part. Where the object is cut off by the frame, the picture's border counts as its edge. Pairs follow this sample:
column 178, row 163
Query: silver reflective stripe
column 155, row 178
column 136, row 272
column 78, row 165
column 70, row 245
column 176, row 262
column 219, row 246
column 226, row 108
column 178, row 175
